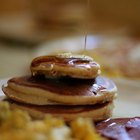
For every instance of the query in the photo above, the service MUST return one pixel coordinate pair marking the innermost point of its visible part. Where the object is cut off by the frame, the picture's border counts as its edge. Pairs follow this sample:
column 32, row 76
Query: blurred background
column 30, row 28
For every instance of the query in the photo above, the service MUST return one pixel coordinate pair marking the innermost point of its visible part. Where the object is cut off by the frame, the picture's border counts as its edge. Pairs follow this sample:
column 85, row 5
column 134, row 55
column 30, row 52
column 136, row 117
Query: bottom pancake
column 97, row 112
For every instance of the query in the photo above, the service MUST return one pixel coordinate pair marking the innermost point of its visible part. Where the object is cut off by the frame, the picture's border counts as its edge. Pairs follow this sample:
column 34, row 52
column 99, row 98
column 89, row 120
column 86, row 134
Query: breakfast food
column 125, row 58
column 52, row 128
column 120, row 128
column 41, row 91
column 65, row 85
column 67, row 112
column 17, row 125
column 76, row 66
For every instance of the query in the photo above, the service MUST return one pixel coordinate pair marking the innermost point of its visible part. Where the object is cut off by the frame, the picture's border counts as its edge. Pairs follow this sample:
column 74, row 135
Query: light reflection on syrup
column 85, row 46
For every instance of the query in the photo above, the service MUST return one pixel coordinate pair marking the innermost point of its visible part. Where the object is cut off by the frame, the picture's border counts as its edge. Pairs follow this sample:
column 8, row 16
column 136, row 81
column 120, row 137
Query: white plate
column 2, row 82
column 128, row 102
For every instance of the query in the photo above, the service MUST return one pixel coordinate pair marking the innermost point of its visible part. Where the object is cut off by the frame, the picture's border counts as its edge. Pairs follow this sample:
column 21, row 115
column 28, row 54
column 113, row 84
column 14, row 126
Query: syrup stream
column 86, row 35
column 85, row 43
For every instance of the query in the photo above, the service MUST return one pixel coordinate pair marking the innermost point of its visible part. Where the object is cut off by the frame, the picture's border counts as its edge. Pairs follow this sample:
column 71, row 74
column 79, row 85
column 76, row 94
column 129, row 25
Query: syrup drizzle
column 85, row 46
column 86, row 35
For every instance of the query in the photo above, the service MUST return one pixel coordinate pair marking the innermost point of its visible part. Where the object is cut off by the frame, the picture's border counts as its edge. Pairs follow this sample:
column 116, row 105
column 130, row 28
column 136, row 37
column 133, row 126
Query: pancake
column 63, row 65
column 24, row 97
column 40, row 91
column 68, row 113
column 120, row 128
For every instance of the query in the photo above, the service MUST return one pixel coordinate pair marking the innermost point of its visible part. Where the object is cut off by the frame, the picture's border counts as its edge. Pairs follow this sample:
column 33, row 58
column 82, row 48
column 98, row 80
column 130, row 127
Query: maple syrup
column 86, row 35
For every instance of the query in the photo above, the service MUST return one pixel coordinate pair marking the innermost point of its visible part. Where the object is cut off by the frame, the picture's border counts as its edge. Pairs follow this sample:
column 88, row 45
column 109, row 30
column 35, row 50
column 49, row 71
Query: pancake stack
column 64, row 85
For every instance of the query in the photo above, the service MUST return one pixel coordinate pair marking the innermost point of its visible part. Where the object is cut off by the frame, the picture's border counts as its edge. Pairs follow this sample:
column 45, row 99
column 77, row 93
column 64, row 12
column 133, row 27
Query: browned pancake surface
column 96, row 112
column 67, row 87
column 76, row 66
column 67, row 61
column 63, row 61
column 61, row 109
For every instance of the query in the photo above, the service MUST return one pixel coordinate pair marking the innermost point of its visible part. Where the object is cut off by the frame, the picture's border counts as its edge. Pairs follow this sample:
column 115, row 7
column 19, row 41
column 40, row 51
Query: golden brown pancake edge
column 89, row 91
column 76, row 66
column 68, row 113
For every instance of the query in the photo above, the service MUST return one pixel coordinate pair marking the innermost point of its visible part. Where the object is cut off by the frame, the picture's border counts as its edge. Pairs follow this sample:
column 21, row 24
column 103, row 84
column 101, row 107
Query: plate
column 127, row 103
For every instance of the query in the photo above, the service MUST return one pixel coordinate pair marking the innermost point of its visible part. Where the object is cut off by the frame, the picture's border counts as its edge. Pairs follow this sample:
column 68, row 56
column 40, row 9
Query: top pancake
column 76, row 66
column 40, row 91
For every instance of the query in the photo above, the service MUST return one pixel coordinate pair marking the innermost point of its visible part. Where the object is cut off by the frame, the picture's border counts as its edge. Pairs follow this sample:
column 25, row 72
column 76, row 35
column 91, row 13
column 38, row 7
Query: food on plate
column 17, row 125
column 76, row 66
column 75, row 90
column 120, row 128
column 42, row 91
column 124, row 62
column 67, row 112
